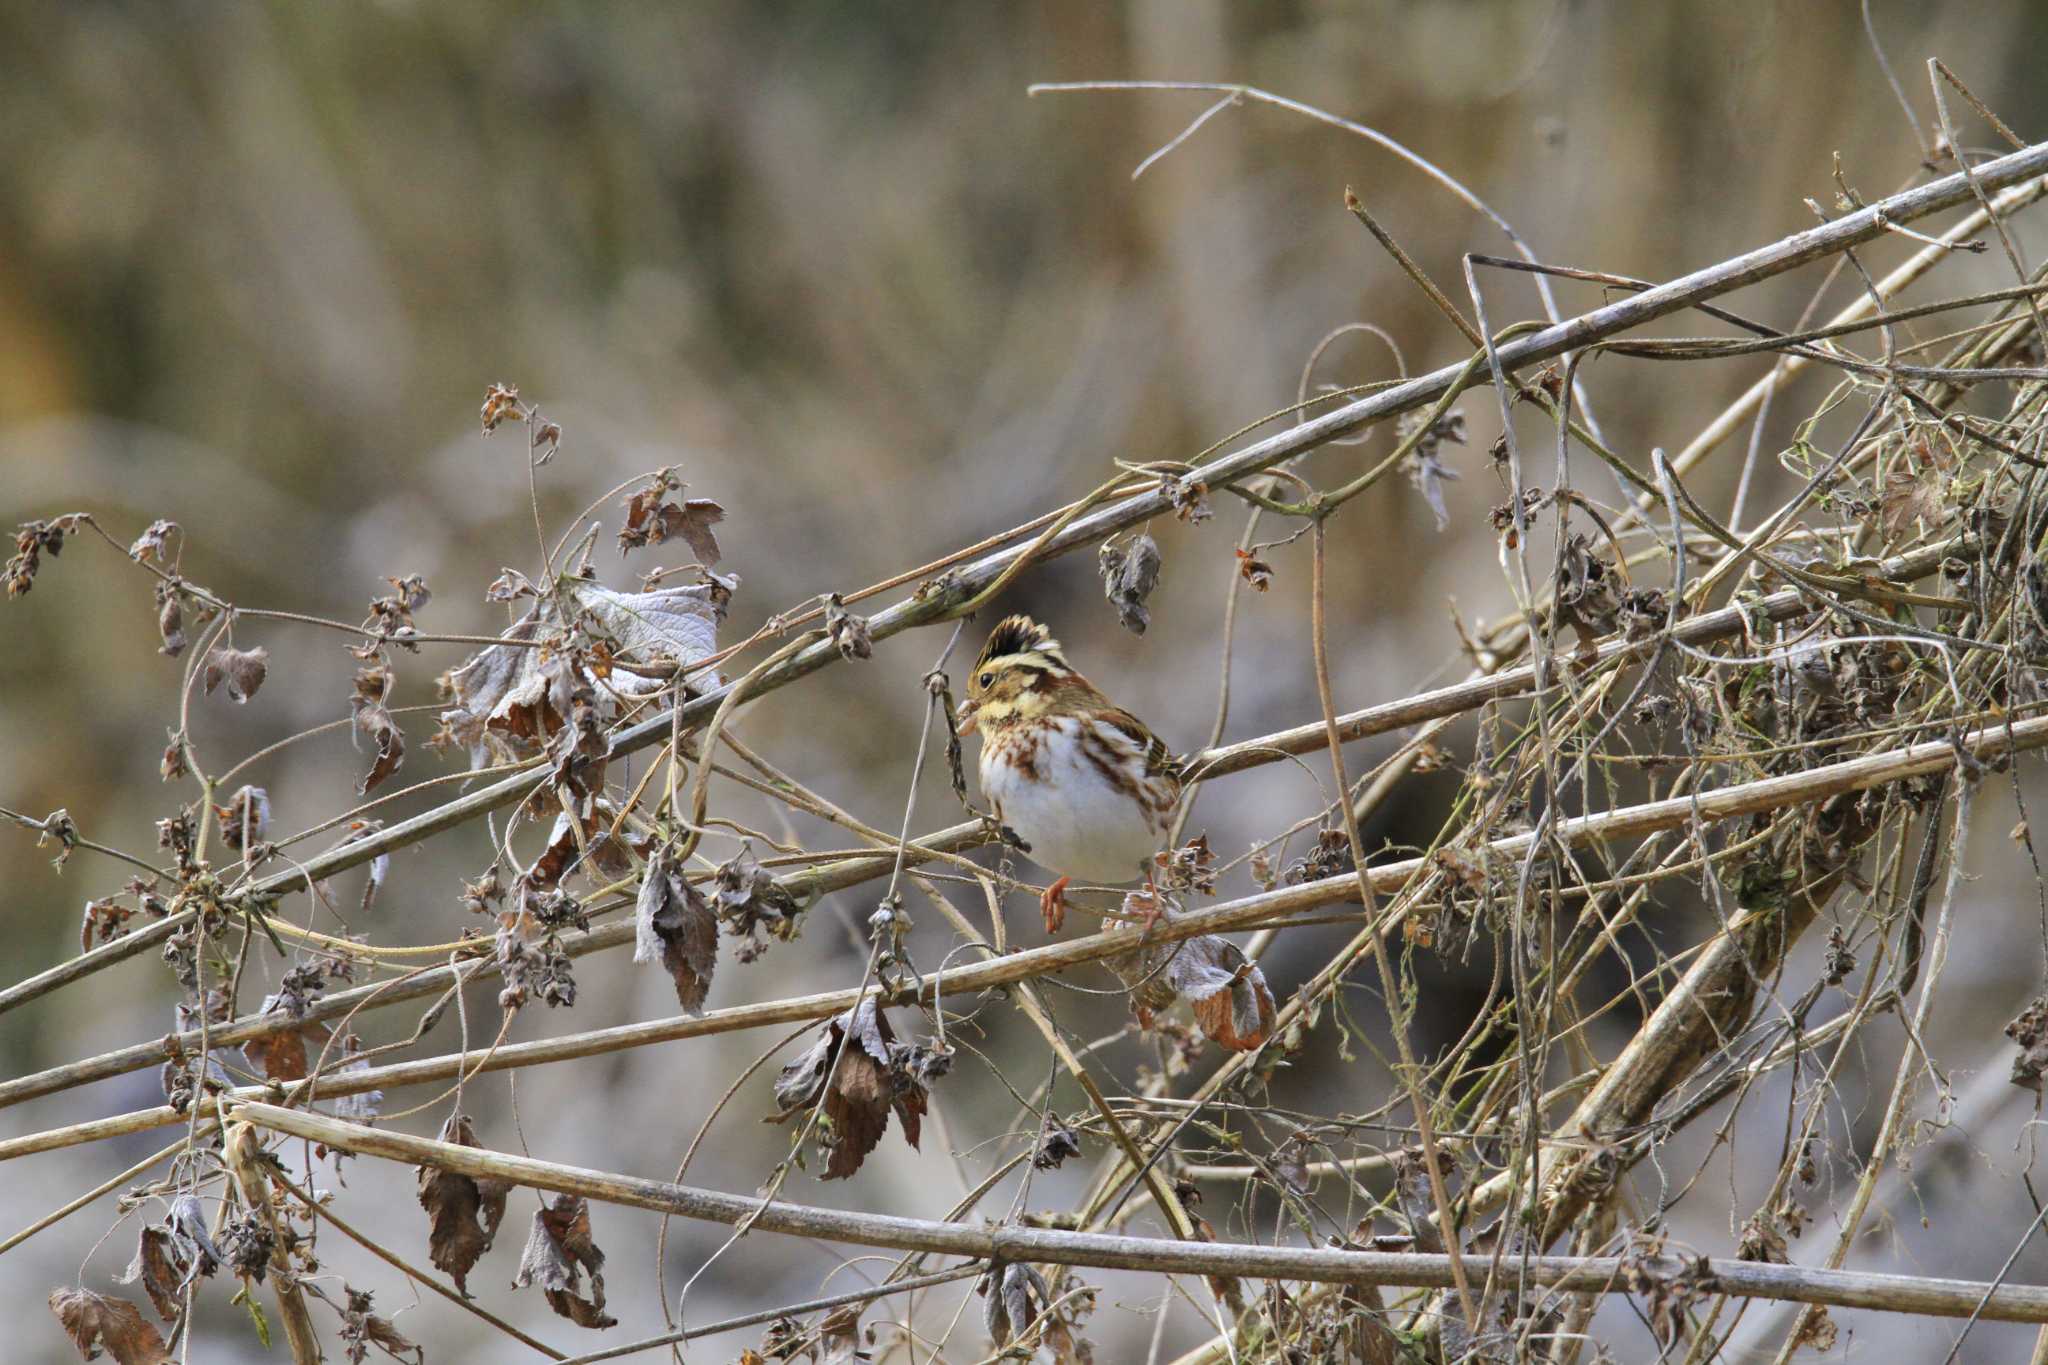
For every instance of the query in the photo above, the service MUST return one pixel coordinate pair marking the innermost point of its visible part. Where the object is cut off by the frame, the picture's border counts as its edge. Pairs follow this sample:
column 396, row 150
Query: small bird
column 1081, row 781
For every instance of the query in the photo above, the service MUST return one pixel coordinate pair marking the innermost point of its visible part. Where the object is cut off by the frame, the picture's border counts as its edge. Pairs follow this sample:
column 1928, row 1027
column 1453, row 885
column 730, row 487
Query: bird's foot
column 1151, row 908
column 1052, row 903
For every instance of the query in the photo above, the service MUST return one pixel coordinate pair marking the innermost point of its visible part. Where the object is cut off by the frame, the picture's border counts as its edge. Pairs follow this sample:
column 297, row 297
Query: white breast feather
column 1076, row 822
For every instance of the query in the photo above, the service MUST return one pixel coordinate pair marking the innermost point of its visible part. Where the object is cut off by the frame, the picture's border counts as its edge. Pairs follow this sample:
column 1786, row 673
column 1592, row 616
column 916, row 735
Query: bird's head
column 1017, row 677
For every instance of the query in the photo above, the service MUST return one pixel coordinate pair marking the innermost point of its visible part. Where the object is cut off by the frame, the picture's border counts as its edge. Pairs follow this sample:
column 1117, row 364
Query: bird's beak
column 966, row 727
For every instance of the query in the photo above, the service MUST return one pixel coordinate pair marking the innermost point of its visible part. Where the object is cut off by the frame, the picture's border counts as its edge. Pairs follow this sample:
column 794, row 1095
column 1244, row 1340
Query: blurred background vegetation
column 258, row 264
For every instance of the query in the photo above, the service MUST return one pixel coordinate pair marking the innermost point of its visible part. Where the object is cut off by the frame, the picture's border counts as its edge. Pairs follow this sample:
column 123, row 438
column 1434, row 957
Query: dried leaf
column 1129, row 574
column 367, row 715
column 149, row 546
column 1016, row 1296
column 558, row 1249
column 362, row 1329
column 510, row 700
column 245, row 819
column 873, row 1075
column 161, row 1279
column 848, row 633
column 58, row 827
column 463, row 1213
column 1254, row 570
column 500, row 402
column 2030, row 1030
column 651, row 519
column 98, row 1323
column 172, row 765
column 675, row 923
column 170, row 619
column 241, row 669
column 31, row 538
column 747, row 899
column 1057, row 1144
column 1226, row 990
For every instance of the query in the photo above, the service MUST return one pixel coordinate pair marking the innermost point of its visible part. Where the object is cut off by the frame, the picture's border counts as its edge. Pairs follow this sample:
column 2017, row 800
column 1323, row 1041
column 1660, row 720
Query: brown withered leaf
column 245, row 819
column 651, row 519
column 172, row 765
column 848, row 633
column 362, row 1329
column 558, row 1249
column 674, row 923
column 97, row 1323
column 105, row 920
column 31, row 538
column 59, row 828
column 509, row 700
column 1015, row 1295
column 1225, row 989
column 509, row 586
column 874, row 1074
column 1254, row 570
column 368, row 715
column 747, row 899
column 463, row 1213
column 160, row 1277
column 242, row 670
column 500, row 402
column 286, row 1054
column 1129, row 574
column 170, row 619
column 149, row 546
column 2029, row 1029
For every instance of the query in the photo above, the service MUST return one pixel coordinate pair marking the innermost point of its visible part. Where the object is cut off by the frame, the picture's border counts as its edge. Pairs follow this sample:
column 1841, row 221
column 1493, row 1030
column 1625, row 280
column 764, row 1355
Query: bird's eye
column 987, row 678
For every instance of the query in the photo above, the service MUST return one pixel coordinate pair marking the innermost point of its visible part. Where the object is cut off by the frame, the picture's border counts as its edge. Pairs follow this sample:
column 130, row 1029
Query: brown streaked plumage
column 1088, row 788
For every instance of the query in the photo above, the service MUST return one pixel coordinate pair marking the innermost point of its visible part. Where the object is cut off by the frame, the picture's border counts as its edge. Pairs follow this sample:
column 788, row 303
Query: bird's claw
column 1052, row 903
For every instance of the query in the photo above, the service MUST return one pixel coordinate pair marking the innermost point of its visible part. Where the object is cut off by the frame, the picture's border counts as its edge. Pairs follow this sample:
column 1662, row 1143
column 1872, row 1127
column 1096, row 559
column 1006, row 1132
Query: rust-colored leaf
column 97, row 1323
column 559, row 1248
column 873, row 1075
column 463, row 1213
column 652, row 519
column 241, row 669
column 369, row 716
column 675, row 923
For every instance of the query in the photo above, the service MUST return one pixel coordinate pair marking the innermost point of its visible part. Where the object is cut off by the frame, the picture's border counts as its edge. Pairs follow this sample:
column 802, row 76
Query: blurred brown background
column 258, row 263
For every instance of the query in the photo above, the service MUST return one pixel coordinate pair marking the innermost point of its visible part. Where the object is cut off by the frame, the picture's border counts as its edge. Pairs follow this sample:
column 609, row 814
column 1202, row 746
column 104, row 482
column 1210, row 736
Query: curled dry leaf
column 362, row 1329
column 105, row 920
column 747, row 899
column 60, row 829
column 30, row 540
column 500, row 402
column 1129, row 574
column 558, row 1249
column 368, row 715
column 149, row 546
column 241, row 669
column 874, row 1074
column 1015, row 1295
column 849, row 633
column 1188, row 496
column 510, row 700
column 170, row 619
column 1225, row 989
column 1254, row 570
column 651, row 519
column 172, row 765
column 1054, row 1147
column 245, row 819
column 170, row 1253
column 675, row 924
column 463, row 1214
column 97, row 1323
column 285, row 1054
column 2030, row 1031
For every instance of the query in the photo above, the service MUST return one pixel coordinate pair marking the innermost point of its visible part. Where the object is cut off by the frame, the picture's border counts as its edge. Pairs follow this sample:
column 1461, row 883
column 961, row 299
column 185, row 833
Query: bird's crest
column 1019, row 641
